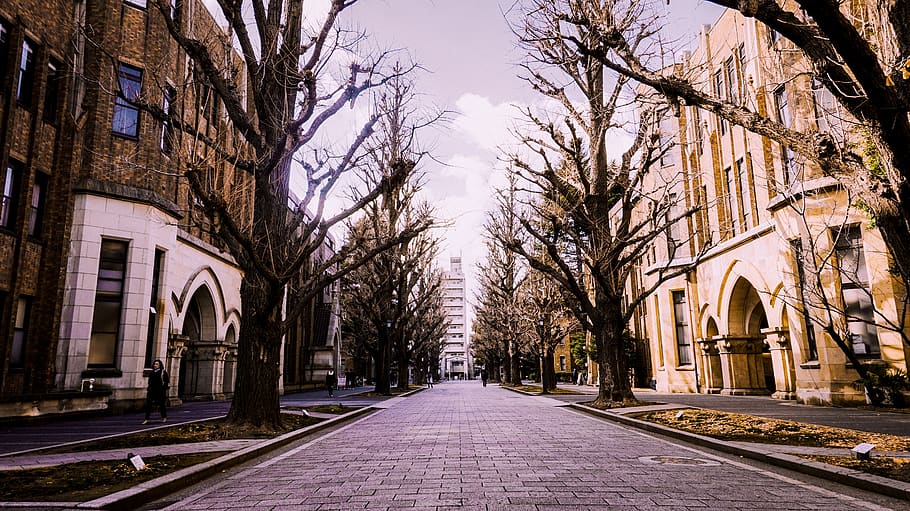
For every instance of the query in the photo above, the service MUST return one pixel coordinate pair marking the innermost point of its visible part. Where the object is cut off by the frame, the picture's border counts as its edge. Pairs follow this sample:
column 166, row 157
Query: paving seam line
column 842, row 475
column 148, row 491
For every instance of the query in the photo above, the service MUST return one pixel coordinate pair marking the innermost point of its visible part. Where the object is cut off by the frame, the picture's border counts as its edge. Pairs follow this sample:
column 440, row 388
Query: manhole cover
column 677, row 460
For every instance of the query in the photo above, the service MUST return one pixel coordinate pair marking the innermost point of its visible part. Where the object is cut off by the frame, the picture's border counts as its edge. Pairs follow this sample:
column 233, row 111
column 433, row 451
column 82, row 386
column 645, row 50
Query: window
column 52, row 90
column 732, row 82
column 9, row 192
column 137, row 3
column 745, row 193
column 108, row 303
column 683, row 339
column 153, row 311
column 800, row 255
column 4, row 50
column 126, row 115
column 169, row 105
column 733, row 219
column 719, row 90
column 783, row 116
column 857, row 295
column 20, row 331
column 36, row 207
column 773, row 36
column 26, row 74
column 696, row 125
column 668, row 126
column 675, row 226
column 562, row 363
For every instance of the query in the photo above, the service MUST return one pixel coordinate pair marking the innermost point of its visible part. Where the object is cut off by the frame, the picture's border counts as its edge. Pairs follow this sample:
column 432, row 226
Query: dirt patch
column 79, row 482
column 535, row 389
column 338, row 409
column 884, row 466
column 207, row 431
column 748, row 428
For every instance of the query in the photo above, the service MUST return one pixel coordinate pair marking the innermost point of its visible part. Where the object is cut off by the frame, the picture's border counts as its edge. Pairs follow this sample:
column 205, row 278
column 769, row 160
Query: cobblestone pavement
column 461, row 445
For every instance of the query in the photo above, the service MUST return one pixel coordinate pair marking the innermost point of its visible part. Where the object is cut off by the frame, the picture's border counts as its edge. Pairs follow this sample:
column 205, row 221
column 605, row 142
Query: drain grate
column 677, row 460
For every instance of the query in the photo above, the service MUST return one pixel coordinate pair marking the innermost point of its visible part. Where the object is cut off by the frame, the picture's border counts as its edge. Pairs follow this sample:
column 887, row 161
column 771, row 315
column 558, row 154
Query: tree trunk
column 507, row 367
column 403, row 364
column 550, row 371
column 256, row 397
column 515, row 363
column 384, row 362
column 544, row 383
column 615, row 388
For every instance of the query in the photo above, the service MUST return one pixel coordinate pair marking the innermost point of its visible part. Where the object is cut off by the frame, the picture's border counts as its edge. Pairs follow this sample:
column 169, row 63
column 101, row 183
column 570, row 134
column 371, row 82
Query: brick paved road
column 463, row 445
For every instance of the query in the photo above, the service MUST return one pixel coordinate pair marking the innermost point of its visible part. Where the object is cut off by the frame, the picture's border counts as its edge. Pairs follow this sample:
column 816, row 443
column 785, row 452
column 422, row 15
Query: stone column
column 782, row 359
column 710, row 357
column 742, row 366
column 176, row 348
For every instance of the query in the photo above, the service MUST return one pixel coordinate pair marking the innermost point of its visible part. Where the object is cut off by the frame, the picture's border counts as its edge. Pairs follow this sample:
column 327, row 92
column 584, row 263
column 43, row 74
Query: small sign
column 137, row 462
column 863, row 451
column 342, row 381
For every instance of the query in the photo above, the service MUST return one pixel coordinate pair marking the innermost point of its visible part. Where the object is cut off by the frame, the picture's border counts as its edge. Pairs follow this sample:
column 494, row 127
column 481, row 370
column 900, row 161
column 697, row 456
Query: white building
column 456, row 362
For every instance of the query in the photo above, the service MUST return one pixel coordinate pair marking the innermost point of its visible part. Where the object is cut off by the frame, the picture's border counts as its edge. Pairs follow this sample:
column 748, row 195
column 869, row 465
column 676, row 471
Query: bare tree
column 547, row 314
column 501, row 276
column 395, row 278
column 858, row 51
column 596, row 211
column 270, row 76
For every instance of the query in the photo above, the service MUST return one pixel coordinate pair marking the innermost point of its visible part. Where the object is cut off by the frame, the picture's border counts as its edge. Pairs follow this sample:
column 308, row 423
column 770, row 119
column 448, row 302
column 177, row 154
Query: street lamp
column 543, row 368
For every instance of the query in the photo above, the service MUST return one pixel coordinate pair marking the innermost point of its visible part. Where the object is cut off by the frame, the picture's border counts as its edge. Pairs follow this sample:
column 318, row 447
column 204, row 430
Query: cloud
column 486, row 125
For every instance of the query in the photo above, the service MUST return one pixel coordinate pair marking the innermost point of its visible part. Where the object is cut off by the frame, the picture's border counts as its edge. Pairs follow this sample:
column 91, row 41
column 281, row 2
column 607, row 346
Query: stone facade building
column 780, row 238
column 106, row 261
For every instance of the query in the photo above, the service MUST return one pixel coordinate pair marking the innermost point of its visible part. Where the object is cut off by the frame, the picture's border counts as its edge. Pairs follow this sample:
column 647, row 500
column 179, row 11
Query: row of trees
column 522, row 313
column 393, row 304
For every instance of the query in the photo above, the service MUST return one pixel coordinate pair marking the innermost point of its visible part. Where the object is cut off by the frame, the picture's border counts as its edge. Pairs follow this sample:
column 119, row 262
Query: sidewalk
column 19, row 439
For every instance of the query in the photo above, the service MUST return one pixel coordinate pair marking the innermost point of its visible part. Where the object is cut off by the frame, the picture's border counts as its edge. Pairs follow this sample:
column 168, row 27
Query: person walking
column 483, row 376
column 330, row 382
column 156, row 392
column 429, row 381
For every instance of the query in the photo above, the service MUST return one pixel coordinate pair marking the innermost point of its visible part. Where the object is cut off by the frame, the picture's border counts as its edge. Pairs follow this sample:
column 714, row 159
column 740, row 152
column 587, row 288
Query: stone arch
column 230, row 360
column 200, row 366
column 711, row 328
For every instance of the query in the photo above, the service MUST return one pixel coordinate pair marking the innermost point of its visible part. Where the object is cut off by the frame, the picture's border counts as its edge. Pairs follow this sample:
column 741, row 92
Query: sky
column 471, row 60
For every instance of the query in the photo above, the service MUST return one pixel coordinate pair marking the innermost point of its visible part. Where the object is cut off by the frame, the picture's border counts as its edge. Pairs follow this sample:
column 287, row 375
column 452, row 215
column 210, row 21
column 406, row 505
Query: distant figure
column 157, row 392
column 429, row 381
column 483, row 377
column 330, row 382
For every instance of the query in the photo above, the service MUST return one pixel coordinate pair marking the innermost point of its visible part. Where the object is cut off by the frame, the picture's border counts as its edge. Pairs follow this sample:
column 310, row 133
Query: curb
column 148, row 491
column 842, row 475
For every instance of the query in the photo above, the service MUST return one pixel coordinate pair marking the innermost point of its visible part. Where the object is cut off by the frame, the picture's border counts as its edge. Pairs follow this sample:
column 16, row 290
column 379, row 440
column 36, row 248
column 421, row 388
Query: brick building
column 106, row 261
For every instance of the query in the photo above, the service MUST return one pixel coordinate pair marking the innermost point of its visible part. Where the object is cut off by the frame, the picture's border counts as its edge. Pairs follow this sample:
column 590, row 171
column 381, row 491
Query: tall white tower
column 456, row 362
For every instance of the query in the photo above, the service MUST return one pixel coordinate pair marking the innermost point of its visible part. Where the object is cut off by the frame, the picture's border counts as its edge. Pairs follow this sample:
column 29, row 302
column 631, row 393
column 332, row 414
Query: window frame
column 849, row 238
column 169, row 105
column 37, row 205
column 129, row 78
column 52, row 91
column 20, row 331
column 25, row 75
column 108, row 296
column 684, row 356
column 9, row 190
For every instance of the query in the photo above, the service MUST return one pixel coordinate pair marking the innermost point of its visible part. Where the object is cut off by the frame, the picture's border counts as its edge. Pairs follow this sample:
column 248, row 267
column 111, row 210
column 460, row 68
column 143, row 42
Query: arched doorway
column 230, row 362
column 744, row 354
column 199, row 328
